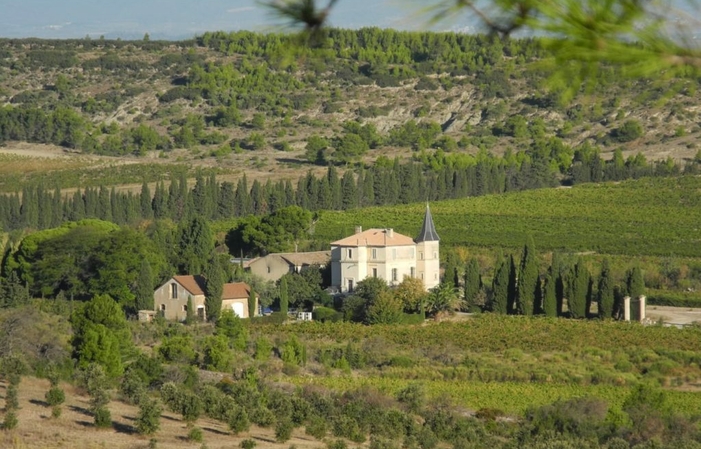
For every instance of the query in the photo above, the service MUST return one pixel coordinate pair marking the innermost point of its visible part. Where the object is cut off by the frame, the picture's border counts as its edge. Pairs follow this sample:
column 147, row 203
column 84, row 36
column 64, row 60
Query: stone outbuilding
column 170, row 299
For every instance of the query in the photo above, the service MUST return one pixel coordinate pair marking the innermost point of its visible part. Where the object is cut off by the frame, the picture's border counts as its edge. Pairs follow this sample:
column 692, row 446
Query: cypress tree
column 577, row 301
column 144, row 288
column 284, row 296
column 527, row 280
column 635, row 285
column 549, row 296
column 159, row 204
column 214, row 285
column 500, row 286
column 473, row 282
column 227, row 201
column 604, row 296
column 190, row 312
column 252, row 303
column 145, row 202
column 335, row 194
column 104, row 208
column 511, row 297
column 349, row 195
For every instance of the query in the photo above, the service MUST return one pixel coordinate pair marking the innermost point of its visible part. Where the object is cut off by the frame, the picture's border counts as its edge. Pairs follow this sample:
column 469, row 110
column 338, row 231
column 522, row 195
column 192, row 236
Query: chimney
column 358, row 229
column 390, row 233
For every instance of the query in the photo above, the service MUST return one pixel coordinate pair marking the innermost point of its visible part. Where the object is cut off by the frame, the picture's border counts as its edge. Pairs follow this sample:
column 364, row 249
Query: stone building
column 387, row 255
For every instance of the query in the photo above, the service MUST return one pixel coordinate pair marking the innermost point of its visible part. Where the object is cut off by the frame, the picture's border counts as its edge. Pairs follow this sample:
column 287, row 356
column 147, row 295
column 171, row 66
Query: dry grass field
column 74, row 429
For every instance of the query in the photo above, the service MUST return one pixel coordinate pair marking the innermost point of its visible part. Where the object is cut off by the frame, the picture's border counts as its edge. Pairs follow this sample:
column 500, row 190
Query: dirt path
column 674, row 315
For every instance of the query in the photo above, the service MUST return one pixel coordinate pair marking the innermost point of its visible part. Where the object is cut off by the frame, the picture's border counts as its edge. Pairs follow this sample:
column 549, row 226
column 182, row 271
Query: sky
column 182, row 19
column 178, row 19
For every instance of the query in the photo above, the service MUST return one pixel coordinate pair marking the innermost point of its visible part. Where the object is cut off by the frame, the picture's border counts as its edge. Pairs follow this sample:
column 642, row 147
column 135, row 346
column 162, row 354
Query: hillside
column 248, row 101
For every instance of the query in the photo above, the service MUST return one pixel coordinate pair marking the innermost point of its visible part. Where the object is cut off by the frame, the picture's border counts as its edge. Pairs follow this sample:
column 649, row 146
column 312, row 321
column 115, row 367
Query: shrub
column 283, row 430
column 247, row 444
column 10, row 421
column 103, row 417
column 195, row 434
column 148, row 420
column 324, row 314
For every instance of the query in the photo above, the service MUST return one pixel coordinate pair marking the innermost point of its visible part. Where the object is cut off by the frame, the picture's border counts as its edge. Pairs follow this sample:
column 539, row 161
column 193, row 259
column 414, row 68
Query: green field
column 652, row 216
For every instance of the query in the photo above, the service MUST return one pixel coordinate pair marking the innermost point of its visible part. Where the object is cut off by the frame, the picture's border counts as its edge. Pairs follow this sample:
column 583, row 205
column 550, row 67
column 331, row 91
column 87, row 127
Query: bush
column 195, row 434
column 10, row 421
column 148, row 420
column 103, row 418
column 55, row 396
column 317, row 427
column 247, row 444
column 283, row 430
column 324, row 314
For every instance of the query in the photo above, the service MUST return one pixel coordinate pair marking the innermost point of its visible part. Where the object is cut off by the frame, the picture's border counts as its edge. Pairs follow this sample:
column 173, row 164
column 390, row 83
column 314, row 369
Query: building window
column 435, row 255
column 268, row 269
column 374, row 253
column 374, row 272
column 413, row 272
column 350, row 285
column 174, row 291
column 350, row 253
column 394, row 275
column 435, row 276
column 163, row 307
column 422, row 275
column 185, row 309
column 421, row 255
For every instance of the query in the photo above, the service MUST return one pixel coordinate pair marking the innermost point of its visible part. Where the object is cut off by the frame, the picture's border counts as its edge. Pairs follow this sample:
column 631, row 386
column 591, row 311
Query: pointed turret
column 428, row 230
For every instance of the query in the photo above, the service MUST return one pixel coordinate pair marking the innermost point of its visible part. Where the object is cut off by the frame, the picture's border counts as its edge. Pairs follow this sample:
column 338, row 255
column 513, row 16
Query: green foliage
column 294, row 352
column 101, row 335
column 214, row 287
column 473, row 283
column 144, row 294
column 605, row 297
column 629, row 131
column 577, row 301
column 148, row 419
column 264, row 349
column 284, row 296
column 385, row 308
column 500, row 287
column 252, row 303
column 527, row 280
column 247, row 444
column 233, row 329
column 635, row 284
column 549, row 296
column 283, row 430
column 216, row 354
column 195, row 434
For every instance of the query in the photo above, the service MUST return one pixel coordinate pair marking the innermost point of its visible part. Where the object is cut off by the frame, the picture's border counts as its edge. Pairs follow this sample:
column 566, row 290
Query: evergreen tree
column 577, row 301
column 252, row 303
column 349, row 194
column 104, row 208
column 195, row 244
column 549, row 296
column 159, row 203
column 635, row 285
column 144, row 287
column 190, row 312
column 512, row 291
column 214, row 283
column 145, row 202
column 604, row 296
column 500, row 286
column 473, row 283
column 527, row 279
column 284, row 296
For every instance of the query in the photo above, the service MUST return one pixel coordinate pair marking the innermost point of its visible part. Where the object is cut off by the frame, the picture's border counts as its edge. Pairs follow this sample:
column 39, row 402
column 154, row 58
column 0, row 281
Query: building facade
column 388, row 255
column 170, row 300
column 274, row 266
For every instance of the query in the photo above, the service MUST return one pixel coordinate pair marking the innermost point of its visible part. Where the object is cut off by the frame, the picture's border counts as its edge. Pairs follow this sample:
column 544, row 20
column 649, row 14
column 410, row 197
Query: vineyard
column 651, row 216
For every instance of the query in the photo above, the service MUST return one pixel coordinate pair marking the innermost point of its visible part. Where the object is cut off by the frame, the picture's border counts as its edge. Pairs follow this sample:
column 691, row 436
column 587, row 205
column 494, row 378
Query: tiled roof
column 236, row 290
column 308, row 258
column 375, row 237
column 193, row 284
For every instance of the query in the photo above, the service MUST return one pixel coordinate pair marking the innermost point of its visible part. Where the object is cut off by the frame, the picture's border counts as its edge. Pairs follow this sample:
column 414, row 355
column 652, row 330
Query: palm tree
column 442, row 298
